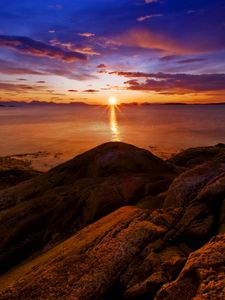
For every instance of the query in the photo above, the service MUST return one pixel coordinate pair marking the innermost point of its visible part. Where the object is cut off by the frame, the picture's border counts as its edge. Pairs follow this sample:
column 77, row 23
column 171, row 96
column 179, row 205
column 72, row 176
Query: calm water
column 60, row 133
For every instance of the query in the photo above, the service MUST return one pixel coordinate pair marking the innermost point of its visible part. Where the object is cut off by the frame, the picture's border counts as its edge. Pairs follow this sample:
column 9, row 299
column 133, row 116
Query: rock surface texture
column 163, row 240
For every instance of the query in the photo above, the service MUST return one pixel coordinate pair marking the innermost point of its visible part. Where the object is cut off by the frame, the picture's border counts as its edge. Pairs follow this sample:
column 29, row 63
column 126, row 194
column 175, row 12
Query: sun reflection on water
column 114, row 124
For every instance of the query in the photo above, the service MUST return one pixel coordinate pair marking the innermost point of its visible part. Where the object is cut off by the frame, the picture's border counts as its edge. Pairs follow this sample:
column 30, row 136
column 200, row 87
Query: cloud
column 91, row 91
column 72, row 91
column 41, row 81
column 66, row 72
column 21, row 79
column 86, row 34
column 17, row 71
column 151, row 1
column 10, row 68
column 169, row 57
column 101, row 66
column 148, row 39
column 146, row 17
column 19, row 87
column 191, row 60
column 181, row 61
column 86, row 51
column 71, row 47
column 179, row 83
column 36, row 48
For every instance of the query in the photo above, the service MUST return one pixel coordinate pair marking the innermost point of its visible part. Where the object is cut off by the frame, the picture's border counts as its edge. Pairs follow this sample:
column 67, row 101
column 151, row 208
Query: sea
column 51, row 134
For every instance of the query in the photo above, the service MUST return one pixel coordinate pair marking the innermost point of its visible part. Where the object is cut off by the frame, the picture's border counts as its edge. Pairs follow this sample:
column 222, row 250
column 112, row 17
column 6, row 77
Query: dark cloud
column 73, row 91
column 191, row 60
column 4, row 86
column 179, row 83
column 169, row 57
column 101, row 66
column 131, row 74
column 91, row 91
column 41, row 81
column 21, row 79
column 36, row 48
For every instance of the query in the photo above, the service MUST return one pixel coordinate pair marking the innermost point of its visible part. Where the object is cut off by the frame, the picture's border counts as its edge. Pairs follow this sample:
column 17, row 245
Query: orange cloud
column 150, row 40
column 71, row 47
column 86, row 34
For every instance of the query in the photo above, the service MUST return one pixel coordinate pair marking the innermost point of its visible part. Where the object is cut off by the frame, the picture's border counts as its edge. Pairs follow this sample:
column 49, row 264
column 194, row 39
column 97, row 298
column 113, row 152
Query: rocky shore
column 117, row 222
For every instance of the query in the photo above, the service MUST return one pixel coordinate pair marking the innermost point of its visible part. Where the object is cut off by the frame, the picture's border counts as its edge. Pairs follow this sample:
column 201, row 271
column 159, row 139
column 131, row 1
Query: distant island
column 80, row 103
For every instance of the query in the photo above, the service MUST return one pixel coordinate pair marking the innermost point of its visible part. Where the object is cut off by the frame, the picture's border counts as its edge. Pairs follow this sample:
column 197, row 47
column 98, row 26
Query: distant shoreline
column 5, row 104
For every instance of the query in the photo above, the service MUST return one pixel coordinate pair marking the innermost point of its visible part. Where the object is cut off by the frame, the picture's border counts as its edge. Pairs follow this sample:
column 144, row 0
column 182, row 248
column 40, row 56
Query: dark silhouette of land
column 36, row 103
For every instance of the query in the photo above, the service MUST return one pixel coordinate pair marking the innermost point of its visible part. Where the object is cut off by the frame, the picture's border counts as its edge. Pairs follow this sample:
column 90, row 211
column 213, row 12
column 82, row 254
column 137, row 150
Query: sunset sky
column 135, row 50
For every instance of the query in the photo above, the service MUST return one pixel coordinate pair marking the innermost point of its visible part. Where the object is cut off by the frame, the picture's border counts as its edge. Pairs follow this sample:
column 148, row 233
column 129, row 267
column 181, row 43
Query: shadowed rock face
column 195, row 156
column 169, row 246
column 51, row 207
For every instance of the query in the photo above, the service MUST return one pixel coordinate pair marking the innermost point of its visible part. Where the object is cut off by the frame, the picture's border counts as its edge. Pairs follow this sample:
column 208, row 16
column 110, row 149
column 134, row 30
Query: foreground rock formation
column 53, row 206
column 170, row 244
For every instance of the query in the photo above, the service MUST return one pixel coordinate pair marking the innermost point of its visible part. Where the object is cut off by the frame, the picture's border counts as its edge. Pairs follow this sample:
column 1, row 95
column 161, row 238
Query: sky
column 90, row 50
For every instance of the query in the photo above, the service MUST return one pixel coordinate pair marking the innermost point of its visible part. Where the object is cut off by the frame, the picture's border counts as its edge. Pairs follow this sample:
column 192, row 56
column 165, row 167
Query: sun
column 112, row 101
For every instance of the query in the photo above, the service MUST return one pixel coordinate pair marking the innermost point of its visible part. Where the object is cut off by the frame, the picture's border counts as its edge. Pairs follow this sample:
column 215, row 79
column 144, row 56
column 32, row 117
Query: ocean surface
column 49, row 135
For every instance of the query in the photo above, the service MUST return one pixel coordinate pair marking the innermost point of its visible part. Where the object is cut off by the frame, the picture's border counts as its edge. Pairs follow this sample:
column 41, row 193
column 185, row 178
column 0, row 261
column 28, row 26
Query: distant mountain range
column 37, row 103
column 44, row 103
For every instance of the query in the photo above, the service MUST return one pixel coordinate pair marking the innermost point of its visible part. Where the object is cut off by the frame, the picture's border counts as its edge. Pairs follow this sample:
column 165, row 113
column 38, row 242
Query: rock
column 201, row 209
column 196, row 156
column 88, row 264
column 203, row 276
column 50, row 208
column 14, row 171
column 169, row 245
column 186, row 186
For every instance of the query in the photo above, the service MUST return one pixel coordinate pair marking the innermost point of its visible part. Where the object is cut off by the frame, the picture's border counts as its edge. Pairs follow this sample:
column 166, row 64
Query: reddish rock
column 88, row 264
column 203, row 276
column 50, row 208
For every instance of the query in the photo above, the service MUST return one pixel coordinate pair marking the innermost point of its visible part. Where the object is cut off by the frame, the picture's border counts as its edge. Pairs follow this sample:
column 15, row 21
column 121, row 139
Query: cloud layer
column 36, row 48
column 177, row 83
